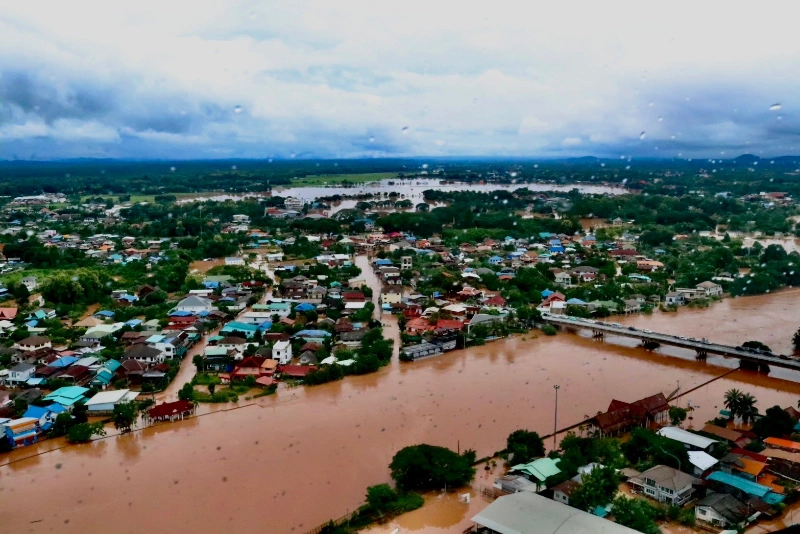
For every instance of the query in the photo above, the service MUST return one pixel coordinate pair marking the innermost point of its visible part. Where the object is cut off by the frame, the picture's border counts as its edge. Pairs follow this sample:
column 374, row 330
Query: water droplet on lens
column 237, row 109
column 404, row 130
column 775, row 107
column 642, row 135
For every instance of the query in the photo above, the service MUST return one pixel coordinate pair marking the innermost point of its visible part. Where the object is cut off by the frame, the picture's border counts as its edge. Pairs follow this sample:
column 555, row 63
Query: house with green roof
column 67, row 396
column 538, row 470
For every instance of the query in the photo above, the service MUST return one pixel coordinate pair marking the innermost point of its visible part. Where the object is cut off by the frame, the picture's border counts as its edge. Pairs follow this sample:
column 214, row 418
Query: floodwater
column 288, row 462
column 414, row 188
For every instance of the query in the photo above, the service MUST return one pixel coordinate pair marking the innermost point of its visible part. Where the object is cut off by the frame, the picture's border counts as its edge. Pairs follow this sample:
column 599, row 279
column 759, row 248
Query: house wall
column 709, row 515
column 560, row 497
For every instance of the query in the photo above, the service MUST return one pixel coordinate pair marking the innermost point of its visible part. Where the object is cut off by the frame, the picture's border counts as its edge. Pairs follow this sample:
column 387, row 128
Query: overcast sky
column 351, row 78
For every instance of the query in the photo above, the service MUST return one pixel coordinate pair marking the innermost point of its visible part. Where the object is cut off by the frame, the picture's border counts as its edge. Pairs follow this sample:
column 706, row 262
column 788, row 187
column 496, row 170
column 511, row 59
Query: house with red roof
column 296, row 371
column 449, row 324
column 418, row 326
column 8, row 314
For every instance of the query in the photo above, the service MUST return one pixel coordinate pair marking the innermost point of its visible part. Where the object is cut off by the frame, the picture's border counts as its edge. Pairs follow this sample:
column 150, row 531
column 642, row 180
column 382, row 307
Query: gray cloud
column 267, row 79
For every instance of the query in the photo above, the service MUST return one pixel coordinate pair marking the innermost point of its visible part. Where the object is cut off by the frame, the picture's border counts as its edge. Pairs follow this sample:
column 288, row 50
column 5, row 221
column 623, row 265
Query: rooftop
column 528, row 513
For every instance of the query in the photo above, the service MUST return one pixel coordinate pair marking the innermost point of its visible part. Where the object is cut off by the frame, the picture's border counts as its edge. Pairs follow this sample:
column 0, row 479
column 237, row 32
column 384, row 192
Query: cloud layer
column 362, row 78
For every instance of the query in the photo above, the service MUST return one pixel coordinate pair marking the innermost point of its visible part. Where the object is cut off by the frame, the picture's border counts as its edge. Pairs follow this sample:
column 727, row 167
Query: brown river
column 288, row 462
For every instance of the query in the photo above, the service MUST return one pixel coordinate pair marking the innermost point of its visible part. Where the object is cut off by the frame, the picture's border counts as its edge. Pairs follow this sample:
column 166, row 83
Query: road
column 188, row 369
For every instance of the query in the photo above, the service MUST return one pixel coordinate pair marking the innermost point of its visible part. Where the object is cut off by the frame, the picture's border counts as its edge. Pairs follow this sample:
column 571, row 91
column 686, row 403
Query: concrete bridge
column 703, row 347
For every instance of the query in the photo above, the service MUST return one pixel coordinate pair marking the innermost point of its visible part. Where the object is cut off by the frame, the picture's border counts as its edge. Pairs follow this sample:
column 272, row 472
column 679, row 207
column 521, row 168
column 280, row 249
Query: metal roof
column 528, row 513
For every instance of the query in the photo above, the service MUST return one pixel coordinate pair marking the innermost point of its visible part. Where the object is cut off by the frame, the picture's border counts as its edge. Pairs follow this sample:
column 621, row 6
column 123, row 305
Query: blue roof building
column 495, row 260
column 249, row 330
column 383, row 262
column 105, row 314
column 555, row 249
column 67, row 396
column 64, row 362
column 546, row 293
column 746, row 486
column 304, row 307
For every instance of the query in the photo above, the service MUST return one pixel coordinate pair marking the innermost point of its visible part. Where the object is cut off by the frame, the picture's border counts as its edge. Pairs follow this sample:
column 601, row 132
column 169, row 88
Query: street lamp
column 555, row 421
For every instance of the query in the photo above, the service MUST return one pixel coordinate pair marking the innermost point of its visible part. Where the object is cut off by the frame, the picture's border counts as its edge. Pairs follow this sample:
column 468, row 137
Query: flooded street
column 291, row 461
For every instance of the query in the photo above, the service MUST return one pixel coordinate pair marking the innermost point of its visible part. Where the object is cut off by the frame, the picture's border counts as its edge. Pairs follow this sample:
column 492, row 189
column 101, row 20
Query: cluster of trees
column 428, row 467
column 741, row 404
column 375, row 352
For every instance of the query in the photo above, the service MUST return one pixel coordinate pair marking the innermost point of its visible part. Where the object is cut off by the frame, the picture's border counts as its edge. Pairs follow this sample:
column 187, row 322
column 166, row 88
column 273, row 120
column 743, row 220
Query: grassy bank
column 338, row 179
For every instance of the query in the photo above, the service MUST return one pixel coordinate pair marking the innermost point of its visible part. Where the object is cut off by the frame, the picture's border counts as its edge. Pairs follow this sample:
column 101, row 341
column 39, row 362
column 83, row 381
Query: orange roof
column 751, row 467
column 769, row 481
column 783, row 443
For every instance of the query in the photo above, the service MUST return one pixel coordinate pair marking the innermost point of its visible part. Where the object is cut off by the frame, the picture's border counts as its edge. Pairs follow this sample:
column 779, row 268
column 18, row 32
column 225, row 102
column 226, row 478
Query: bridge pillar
column 702, row 354
column 598, row 333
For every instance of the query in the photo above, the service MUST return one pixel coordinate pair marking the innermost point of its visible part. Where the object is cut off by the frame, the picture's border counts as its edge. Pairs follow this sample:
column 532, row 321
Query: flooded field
column 414, row 188
column 291, row 461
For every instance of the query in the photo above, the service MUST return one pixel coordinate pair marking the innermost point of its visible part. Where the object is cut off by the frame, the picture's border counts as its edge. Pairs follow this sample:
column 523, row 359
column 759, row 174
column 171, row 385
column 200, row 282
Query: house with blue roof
column 546, row 293
column 743, row 486
column 576, row 302
column 104, row 314
column 383, row 262
column 133, row 323
column 556, row 249
column 304, row 307
column 248, row 330
column 67, row 396
column 495, row 260
column 63, row 362
column 544, row 235
column 313, row 336
column 45, row 414
column 115, row 258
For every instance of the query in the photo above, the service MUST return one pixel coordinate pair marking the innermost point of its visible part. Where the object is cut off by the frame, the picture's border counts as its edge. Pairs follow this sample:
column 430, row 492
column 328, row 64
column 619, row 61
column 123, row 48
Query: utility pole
column 555, row 421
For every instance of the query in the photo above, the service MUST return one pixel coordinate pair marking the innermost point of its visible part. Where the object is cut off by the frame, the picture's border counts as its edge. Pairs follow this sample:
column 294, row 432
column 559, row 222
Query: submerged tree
column 124, row 416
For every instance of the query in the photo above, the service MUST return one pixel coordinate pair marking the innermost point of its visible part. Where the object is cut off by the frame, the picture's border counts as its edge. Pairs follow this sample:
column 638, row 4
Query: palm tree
column 733, row 402
column 748, row 407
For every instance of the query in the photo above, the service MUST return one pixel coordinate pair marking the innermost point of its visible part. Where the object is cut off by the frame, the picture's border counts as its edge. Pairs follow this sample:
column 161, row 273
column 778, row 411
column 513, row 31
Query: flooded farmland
column 289, row 462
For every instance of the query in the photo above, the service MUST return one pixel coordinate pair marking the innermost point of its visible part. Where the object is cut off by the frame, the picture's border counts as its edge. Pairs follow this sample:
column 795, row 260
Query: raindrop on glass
column 237, row 109
column 775, row 107
column 642, row 136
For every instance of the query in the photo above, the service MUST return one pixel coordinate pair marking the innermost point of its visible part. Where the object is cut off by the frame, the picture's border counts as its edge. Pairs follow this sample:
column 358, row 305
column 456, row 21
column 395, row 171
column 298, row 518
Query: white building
column 292, row 203
column 32, row 343
column 238, row 262
column 103, row 403
column 710, row 288
column 194, row 304
column 282, row 351
column 30, row 283
column 690, row 440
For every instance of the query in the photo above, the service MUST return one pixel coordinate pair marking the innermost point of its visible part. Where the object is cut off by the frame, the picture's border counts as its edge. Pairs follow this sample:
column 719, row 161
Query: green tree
column 381, row 498
column 124, row 416
column 598, row 488
column 677, row 415
column 524, row 446
column 733, row 401
column 775, row 423
column 20, row 406
column 61, row 425
column 83, row 432
column 186, row 393
column 428, row 467
column 199, row 362
column 637, row 514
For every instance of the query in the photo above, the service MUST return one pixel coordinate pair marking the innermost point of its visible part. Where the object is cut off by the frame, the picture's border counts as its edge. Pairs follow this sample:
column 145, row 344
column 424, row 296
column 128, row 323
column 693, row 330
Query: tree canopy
column 428, row 467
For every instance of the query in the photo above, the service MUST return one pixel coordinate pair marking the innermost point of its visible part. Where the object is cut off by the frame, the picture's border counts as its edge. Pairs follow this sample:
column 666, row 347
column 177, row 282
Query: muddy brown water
column 291, row 461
